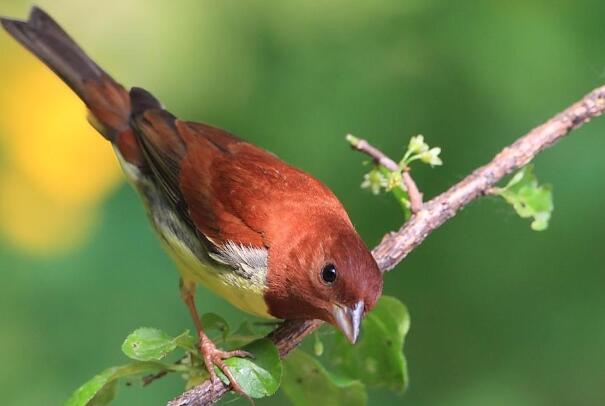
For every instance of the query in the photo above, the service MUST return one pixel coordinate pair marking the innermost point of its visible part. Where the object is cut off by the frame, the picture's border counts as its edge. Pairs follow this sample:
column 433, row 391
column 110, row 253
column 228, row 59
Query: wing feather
column 168, row 146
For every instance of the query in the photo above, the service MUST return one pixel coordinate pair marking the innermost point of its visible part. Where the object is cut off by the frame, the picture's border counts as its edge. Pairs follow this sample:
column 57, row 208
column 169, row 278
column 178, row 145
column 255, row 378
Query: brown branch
column 286, row 337
column 395, row 246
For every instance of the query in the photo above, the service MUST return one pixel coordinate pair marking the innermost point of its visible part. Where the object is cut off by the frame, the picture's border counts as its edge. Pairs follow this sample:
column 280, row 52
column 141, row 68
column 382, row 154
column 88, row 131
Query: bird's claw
column 214, row 356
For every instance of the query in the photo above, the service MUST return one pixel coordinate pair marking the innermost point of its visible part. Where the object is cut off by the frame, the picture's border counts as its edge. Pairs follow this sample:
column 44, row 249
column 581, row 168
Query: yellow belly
column 236, row 289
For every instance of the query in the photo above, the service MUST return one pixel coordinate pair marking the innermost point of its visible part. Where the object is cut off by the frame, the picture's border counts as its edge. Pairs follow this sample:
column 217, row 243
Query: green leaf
column 245, row 329
column 259, row 376
column 187, row 342
column 529, row 198
column 149, row 344
column 306, row 382
column 212, row 321
column 377, row 359
column 106, row 395
column 100, row 390
column 243, row 335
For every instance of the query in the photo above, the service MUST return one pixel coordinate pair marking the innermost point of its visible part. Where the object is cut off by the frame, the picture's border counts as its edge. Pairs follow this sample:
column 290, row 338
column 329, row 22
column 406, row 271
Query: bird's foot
column 214, row 356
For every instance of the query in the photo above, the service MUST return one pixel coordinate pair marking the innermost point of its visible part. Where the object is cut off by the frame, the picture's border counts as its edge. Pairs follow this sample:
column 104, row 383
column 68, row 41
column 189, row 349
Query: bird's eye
column 328, row 274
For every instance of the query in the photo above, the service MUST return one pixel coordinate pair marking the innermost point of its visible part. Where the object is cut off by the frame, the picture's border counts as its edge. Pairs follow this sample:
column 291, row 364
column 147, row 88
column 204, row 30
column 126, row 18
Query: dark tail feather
column 142, row 100
column 107, row 100
column 43, row 36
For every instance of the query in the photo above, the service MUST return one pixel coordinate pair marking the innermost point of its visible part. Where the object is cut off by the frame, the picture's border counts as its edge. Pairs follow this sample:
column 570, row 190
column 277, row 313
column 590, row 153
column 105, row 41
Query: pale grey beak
column 348, row 319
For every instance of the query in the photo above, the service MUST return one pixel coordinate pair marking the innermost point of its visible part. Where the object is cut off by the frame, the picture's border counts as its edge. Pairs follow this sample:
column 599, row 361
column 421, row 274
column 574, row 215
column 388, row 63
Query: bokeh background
column 501, row 315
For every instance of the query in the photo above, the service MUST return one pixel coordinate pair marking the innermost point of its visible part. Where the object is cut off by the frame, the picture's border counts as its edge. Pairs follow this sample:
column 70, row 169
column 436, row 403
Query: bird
column 269, row 238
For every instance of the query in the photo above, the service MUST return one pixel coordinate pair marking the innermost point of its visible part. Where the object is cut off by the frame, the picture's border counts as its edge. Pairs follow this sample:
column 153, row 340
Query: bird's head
column 323, row 271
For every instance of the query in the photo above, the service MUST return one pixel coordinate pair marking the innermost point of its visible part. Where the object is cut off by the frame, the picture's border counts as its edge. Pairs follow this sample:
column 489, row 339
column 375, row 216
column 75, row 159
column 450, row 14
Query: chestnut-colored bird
column 268, row 237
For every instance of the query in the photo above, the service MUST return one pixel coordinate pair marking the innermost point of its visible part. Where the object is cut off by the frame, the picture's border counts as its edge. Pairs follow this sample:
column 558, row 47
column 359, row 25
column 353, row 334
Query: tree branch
column 395, row 246
column 286, row 338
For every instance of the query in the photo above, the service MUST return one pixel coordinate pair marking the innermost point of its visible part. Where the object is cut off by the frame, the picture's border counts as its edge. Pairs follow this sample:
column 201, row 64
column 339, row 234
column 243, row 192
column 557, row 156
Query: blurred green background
column 501, row 315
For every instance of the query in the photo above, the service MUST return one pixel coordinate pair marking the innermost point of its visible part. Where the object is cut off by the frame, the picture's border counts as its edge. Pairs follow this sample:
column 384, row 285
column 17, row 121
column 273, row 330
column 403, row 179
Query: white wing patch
column 249, row 262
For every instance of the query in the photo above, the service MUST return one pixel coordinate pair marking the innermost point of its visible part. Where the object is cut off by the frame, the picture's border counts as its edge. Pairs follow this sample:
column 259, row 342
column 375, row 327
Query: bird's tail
column 107, row 100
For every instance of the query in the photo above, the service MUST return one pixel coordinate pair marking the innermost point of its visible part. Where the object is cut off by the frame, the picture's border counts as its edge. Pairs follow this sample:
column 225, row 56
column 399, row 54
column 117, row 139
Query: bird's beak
column 348, row 319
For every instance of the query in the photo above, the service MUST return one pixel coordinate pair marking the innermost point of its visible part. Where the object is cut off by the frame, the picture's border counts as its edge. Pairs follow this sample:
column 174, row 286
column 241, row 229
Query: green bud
column 353, row 140
column 393, row 181
column 318, row 346
column 374, row 180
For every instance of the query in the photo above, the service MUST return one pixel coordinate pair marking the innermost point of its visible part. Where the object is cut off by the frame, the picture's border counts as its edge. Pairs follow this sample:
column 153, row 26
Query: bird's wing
column 166, row 151
column 225, row 188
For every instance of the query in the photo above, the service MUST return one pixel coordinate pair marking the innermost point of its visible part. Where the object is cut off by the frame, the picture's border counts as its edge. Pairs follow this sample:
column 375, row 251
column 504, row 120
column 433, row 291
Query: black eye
column 328, row 274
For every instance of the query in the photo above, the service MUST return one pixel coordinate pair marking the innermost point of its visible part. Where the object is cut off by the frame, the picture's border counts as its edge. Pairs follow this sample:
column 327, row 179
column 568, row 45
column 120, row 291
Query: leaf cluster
column 528, row 197
column 523, row 192
column 343, row 372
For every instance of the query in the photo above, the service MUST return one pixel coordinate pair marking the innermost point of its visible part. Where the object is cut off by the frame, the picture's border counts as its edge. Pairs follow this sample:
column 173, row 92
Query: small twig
column 381, row 158
column 395, row 246
column 147, row 379
column 377, row 155
column 413, row 192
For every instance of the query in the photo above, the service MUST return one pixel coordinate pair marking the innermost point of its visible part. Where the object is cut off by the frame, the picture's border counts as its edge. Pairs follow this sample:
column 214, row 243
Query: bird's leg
column 212, row 355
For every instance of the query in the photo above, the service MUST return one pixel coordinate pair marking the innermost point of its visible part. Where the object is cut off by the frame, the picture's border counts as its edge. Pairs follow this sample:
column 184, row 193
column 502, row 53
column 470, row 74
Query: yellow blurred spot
column 58, row 168
column 49, row 140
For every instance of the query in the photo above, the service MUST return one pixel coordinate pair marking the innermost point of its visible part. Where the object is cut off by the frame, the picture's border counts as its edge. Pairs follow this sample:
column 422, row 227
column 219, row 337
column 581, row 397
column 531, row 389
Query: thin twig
column 377, row 155
column 147, row 379
column 395, row 246
column 381, row 158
